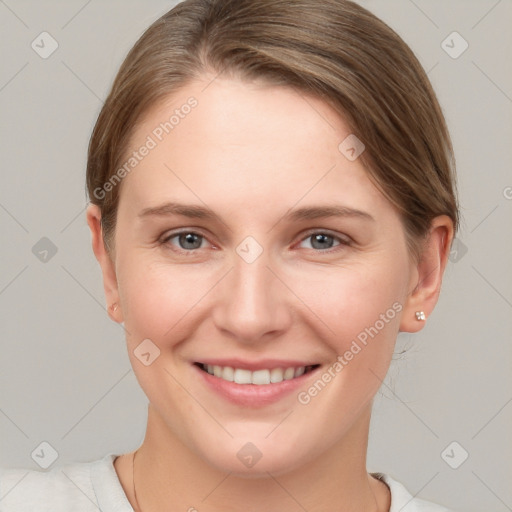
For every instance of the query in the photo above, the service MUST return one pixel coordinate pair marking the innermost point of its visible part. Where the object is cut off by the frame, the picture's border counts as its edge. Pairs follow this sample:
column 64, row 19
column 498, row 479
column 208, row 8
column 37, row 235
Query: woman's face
column 226, row 255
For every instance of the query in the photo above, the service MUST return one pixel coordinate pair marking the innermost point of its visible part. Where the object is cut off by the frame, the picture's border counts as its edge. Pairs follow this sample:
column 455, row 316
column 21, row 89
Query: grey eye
column 189, row 240
column 321, row 241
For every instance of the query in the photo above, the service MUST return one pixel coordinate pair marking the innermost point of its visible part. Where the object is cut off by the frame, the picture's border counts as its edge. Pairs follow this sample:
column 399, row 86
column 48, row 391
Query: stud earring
column 420, row 315
column 114, row 307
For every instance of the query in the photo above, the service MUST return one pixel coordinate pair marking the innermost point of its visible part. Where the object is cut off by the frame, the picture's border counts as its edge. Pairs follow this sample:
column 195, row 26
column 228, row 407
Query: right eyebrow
column 186, row 210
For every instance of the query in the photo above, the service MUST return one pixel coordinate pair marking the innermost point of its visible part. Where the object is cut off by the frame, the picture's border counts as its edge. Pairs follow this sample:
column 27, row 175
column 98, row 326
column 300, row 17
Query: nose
column 252, row 303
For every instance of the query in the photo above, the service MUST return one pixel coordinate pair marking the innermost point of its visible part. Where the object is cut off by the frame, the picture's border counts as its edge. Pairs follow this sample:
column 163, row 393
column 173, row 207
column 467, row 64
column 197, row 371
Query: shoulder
column 76, row 487
column 403, row 501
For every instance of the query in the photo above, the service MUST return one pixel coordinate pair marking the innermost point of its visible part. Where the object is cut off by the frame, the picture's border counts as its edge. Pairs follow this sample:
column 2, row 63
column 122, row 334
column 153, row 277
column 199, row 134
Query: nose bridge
column 252, row 301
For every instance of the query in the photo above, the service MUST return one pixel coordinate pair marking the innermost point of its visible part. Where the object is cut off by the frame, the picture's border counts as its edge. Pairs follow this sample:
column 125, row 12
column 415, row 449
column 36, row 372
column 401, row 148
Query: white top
column 93, row 486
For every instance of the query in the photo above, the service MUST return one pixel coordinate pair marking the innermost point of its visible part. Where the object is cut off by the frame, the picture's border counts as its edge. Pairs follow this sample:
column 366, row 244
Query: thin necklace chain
column 135, row 494
column 133, row 478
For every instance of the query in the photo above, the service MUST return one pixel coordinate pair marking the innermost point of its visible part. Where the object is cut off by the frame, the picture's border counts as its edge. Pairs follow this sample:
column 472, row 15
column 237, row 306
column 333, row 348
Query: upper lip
column 263, row 364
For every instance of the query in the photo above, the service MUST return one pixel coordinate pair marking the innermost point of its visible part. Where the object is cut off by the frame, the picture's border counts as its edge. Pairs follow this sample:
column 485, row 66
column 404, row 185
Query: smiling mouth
column 259, row 377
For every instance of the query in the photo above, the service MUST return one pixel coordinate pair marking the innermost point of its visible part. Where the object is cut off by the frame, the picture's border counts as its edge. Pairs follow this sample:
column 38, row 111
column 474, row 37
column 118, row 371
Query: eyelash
column 343, row 242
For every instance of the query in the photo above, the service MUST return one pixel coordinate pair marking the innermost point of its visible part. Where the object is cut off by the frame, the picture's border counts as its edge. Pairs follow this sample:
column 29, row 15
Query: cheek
column 359, row 302
column 361, row 308
column 157, row 298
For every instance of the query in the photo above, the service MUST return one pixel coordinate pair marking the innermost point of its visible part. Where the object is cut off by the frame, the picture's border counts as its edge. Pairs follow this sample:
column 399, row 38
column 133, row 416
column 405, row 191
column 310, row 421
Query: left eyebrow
column 319, row 212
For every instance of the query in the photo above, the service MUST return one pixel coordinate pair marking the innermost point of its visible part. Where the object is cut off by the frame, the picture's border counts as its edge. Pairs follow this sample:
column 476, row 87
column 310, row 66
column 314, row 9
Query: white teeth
column 261, row 377
column 228, row 373
column 258, row 377
column 289, row 373
column 243, row 376
column 276, row 375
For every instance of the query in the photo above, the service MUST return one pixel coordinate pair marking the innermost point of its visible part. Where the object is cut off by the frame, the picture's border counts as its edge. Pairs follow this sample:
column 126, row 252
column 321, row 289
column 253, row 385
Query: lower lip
column 253, row 395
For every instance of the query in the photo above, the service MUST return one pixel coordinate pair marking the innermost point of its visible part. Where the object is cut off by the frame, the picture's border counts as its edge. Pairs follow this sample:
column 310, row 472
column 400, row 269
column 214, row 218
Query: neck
column 168, row 475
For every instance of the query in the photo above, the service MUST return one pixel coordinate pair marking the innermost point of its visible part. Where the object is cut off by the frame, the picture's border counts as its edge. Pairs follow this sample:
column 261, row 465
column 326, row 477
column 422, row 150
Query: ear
column 425, row 284
column 108, row 270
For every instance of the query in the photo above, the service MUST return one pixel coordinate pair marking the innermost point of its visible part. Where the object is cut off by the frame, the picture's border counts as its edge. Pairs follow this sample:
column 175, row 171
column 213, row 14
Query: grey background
column 65, row 377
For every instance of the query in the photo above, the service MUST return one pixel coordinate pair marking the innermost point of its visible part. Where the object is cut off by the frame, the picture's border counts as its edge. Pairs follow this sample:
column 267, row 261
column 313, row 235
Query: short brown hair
column 332, row 49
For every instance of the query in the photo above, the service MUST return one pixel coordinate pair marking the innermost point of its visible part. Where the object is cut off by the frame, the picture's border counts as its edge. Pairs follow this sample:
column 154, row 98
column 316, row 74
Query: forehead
column 232, row 112
column 234, row 139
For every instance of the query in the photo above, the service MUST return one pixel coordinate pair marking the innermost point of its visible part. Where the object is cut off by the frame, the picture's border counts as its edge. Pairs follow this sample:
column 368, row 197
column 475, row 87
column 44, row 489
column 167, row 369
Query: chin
column 246, row 459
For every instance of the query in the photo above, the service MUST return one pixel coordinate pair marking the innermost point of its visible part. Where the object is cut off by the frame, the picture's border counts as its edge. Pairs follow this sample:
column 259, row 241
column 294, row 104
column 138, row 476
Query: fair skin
column 250, row 153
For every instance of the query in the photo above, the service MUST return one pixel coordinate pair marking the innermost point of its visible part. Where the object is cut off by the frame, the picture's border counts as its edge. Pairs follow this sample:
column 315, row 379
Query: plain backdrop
column 65, row 377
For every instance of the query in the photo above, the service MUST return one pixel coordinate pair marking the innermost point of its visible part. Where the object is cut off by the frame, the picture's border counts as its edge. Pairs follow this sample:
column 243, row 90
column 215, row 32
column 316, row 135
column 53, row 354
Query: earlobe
column 426, row 283
column 110, row 286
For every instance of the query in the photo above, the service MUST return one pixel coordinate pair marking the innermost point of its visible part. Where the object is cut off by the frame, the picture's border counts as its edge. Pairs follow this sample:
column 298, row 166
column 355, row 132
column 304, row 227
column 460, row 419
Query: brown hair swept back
column 333, row 49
